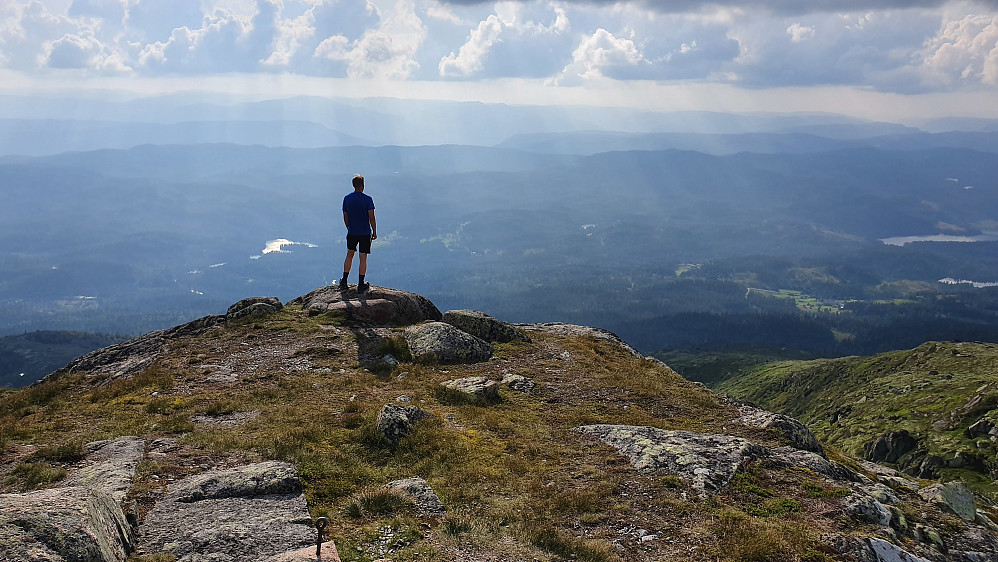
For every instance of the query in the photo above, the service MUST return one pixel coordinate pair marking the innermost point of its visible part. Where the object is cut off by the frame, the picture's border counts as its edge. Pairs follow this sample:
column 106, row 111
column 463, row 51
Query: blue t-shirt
column 356, row 205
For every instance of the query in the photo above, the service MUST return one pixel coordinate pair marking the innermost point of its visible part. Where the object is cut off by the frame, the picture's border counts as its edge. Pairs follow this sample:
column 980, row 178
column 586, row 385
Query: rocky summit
column 371, row 427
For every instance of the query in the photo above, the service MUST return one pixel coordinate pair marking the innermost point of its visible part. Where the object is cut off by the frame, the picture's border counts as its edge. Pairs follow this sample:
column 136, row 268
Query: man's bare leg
column 346, row 269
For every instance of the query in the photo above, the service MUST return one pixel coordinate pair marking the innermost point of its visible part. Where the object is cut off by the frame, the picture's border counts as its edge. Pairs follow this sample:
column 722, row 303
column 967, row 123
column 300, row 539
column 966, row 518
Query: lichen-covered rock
column 867, row 509
column 111, row 466
column 793, row 457
column 128, row 358
column 474, row 389
column 63, row 524
column 250, row 512
column 890, row 552
column 954, row 496
column 707, row 461
column 420, row 492
column 518, row 383
column 379, row 306
column 249, row 481
column 853, row 548
column 798, row 433
column 483, row 326
column 395, row 422
column 253, row 307
column 437, row 342
column 561, row 329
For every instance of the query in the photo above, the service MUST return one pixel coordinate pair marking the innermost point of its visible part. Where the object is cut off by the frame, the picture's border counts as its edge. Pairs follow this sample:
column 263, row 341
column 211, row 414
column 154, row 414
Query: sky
column 897, row 59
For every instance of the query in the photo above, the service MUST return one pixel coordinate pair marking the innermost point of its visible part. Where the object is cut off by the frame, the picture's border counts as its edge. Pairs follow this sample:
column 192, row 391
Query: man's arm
column 346, row 219
column 374, row 225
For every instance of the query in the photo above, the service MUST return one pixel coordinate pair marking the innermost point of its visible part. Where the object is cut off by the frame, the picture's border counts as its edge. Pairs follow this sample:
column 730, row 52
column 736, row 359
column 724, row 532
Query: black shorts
column 364, row 241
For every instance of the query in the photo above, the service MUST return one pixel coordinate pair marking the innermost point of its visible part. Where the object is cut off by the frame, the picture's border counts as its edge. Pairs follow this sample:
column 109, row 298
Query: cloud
column 110, row 11
column 469, row 59
column 226, row 42
column 291, row 35
column 871, row 49
column 514, row 41
column 155, row 20
column 772, row 6
column 964, row 51
column 599, row 54
column 443, row 13
column 83, row 52
column 798, row 32
column 24, row 30
column 387, row 52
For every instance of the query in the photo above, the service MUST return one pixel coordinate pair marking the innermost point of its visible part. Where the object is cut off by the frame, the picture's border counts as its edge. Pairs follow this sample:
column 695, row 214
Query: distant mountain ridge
column 594, row 142
column 379, row 121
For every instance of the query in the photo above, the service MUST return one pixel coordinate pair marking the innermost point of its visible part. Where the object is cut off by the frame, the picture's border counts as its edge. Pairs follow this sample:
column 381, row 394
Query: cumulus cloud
column 226, row 42
column 889, row 45
column 82, row 52
column 530, row 33
column 292, row 33
column 387, row 52
column 597, row 54
column 773, row 6
column 443, row 13
column 155, row 20
column 964, row 51
column 469, row 58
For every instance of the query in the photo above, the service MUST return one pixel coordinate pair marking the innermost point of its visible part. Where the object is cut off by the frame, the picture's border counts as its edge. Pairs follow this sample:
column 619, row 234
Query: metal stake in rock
column 320, row 526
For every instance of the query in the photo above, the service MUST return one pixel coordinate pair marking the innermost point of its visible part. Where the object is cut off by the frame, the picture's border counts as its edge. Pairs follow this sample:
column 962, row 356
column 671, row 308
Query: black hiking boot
column 363, row 287
column 343, row 284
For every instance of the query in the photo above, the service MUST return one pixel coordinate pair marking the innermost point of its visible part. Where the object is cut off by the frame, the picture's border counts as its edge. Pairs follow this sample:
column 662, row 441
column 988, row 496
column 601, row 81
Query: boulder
column 253, row 307
column 707, row 461
column 421, row 494
column 442, row 343
column 128, row 358
column 867, row 509
column 890, row 447
column 890, row 552
column 518, row 383
column 793, row 457
column 474, row 389
column 852, row 547
column 483, row 326
column 110, row 466
column 953, row 496
column 560, row 329
column 395, row 422
column 63, row 524
column 378, row 306
column 798, row 433
column 250, row 512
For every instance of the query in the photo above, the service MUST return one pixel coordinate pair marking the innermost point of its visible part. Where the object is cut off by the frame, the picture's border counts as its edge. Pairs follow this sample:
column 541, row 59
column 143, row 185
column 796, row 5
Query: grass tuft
column 32, row 475
column 561, row 544
column 379, row 502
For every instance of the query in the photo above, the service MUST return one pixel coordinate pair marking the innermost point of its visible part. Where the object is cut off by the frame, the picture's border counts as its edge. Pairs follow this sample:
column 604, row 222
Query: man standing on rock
column 358, row 216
